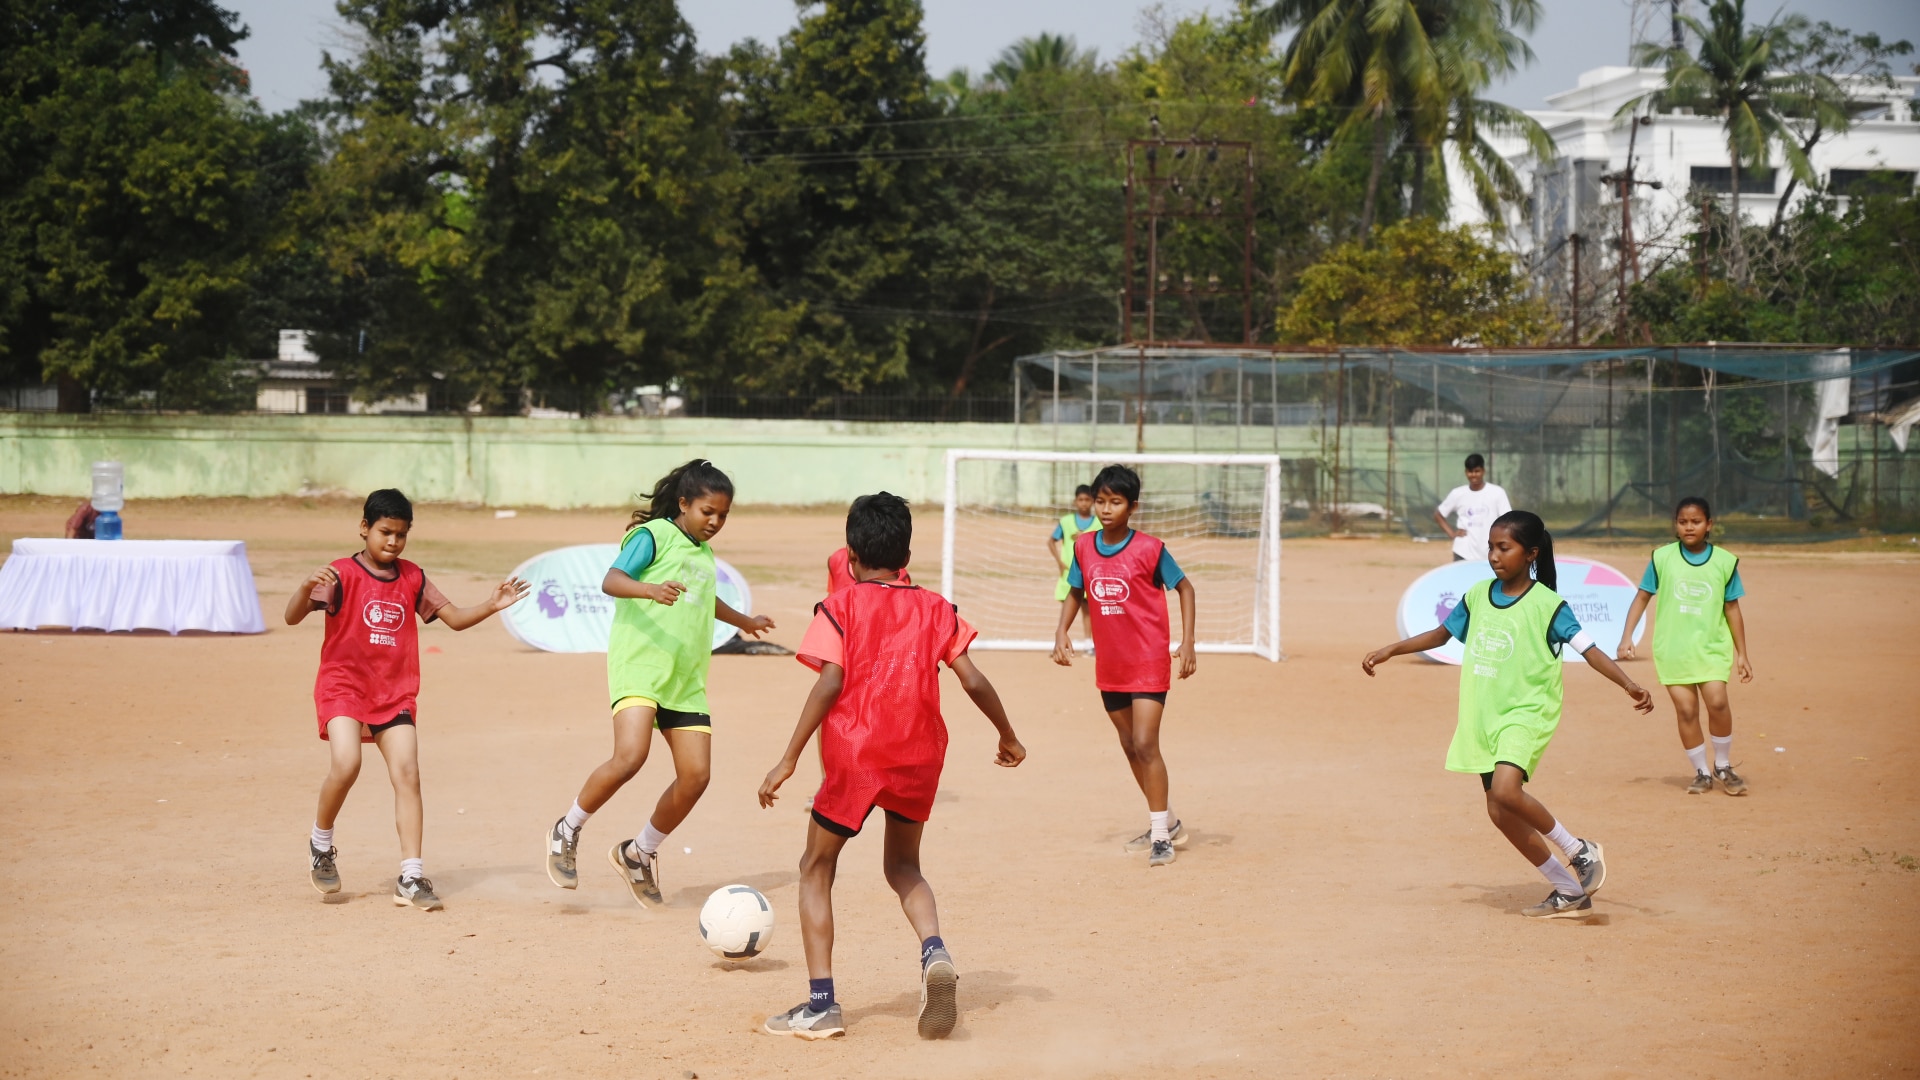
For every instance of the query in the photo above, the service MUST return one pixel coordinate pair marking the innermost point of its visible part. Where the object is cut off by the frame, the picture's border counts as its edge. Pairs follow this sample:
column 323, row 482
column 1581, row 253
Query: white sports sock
column 322, row 839
column 650, row 839
column 1722, row 751
column 1564, row 840
column 1560, row 877
column 1698, row 755
column 1157, row 828
column 412, row 868
column 576, row 818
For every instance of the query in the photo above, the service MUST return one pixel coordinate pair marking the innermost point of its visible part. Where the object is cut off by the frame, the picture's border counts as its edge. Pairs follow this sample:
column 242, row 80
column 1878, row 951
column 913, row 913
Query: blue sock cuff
column 927, row 947
column 819, row 994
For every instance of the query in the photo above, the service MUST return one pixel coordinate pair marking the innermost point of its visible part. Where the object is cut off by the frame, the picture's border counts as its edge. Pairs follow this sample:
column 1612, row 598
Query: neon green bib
column 1070, row 528
column 661, row 652
column 1691, row 640
column 1510, row 681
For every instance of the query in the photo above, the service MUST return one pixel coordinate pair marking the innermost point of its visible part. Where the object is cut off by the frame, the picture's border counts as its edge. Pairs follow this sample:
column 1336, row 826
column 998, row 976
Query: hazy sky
column 283, row 53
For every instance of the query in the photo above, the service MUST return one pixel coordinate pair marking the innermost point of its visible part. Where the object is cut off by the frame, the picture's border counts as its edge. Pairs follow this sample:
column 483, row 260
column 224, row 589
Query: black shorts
column 670, row 719
column 1486, row 778
column 1122, row 700
column 404, row 719
column 838, row 829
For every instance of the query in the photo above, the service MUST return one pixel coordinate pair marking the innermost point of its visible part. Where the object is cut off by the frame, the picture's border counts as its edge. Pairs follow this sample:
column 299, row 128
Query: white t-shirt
column 1474, row 512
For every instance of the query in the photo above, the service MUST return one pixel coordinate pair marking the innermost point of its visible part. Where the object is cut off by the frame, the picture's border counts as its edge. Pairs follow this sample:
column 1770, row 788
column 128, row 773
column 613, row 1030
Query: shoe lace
column 420, row 885
column 323, row 860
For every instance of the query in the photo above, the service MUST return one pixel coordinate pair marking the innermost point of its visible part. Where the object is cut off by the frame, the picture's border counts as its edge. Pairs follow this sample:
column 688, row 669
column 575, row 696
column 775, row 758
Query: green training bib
column 1510, row 681
column 1692, row 642
column 1069, row 528
column 661, row 652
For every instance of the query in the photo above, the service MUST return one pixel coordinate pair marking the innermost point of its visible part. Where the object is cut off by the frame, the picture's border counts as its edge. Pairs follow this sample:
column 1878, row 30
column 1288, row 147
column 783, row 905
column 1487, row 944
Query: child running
column 1125, row 573
column 1510, row 698
column 657, row 657
column 369, row 679
column 878, row 647
column 1697, row 643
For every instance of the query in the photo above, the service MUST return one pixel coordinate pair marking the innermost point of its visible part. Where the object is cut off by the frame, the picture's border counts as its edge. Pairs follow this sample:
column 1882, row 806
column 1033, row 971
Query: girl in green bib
column 1699, row 639
column 1513, row 629
column 663, row 612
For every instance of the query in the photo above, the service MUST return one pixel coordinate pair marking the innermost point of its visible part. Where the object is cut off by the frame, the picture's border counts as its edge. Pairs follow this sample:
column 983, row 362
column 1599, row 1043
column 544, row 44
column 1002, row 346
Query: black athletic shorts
column 1486, row 778
column 405, row 719
column 838, row 829
column 1122, row 700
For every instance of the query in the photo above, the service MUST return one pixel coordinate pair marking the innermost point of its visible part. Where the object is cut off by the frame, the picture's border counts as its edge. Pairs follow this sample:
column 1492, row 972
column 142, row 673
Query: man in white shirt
column 1475, row 505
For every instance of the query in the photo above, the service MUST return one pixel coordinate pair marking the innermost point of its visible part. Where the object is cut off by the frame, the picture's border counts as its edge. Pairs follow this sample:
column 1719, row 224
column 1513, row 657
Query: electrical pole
column 1624, row 183
column 1575, row 239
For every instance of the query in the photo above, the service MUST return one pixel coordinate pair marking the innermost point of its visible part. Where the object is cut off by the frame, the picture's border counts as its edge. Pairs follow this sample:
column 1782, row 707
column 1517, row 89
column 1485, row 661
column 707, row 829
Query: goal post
column 1219, row 515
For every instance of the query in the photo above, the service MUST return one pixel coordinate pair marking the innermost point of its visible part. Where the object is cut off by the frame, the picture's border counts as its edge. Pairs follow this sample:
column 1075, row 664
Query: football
column 736, row 922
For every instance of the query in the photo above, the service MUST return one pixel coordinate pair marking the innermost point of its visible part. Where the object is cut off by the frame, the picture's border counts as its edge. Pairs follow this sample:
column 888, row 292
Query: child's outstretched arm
column 1187, row 659
column 750, row 625
column 1602, row 663
column 618, row 583
column 1432, row 639
column 1738, row 624
column 301, row 601
column 1062, row 643
column 505, row 595
column 826, row 691
column 1634, row 611
column 987, row 700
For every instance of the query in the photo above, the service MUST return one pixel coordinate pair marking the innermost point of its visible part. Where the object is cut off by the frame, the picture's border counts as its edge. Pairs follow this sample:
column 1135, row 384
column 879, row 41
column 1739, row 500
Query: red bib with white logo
column 370, row 660
column 1128, row 612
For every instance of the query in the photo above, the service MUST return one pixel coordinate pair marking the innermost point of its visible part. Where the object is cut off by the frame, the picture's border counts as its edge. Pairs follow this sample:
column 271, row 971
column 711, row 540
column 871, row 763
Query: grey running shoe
column 801, row 1022
column 939, row 990
column 563, row 847
column 326, row 876
column 416, row 892
column 1730, row 780
column 1590, row 866
column 1161, row 854
column 1702, row 783
column 1561, row 906
column 639, row 876
column 1145, row 840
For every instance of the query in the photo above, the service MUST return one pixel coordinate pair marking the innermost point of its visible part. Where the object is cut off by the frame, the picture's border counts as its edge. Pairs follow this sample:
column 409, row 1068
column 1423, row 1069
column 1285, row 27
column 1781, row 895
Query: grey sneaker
column 803, row 1023
column 1178, row 834
column 415, row 892
column 1730, row 780
column 1561, row 906
column 640, row 876
column 1702, row 783
column 939, row 990
column 563, row 847
column 1590, row 866
column 326, row 876
column 1161, row 854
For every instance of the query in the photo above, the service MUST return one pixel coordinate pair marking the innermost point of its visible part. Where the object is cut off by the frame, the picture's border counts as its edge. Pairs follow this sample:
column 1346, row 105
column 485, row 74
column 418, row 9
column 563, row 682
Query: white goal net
column 1219, row 515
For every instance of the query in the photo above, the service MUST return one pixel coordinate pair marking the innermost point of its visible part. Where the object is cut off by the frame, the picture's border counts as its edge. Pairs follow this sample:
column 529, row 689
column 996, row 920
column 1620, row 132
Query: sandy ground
column 1345, row 909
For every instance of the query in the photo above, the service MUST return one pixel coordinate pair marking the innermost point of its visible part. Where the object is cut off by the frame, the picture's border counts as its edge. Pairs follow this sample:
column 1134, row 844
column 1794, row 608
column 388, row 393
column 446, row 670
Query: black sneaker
column 1144, row 842
column 641, row 876
column 326, row 876
column 939, row 993
column 1730, row 780
column 563, row 849
column 415, row 892
column 1702, row 783
column 1590, row 866
column 1561, row 906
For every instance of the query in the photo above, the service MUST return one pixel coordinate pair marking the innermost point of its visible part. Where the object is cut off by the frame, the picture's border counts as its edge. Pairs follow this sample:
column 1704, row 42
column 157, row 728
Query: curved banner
column 1598, row 594
column 567, row 612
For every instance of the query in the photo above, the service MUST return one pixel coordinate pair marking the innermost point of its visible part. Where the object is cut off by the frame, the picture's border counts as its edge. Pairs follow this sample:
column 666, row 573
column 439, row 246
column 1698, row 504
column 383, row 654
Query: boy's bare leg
column 692, row 769
column 1150, row 769
column 632, row 737
column 400, row 746
column 343, row 768
column 1122, row 721
column 818, row 865
column 901, row 862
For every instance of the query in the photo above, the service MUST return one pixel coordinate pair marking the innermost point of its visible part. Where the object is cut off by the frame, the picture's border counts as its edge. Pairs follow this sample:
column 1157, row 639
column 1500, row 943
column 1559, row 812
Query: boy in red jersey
column 878, row 645
column 1121, row 576
column 370, row 675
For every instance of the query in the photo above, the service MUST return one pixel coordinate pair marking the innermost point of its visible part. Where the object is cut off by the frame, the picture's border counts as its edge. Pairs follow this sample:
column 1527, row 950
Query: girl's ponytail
column 689, row 481
column 1531, row 533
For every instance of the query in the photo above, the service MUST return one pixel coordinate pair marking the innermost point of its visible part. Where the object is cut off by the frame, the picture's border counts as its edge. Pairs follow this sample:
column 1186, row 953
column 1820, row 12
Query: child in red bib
column 1122, row 577
column 878, row 645
column 370, row 677
column 840, row 575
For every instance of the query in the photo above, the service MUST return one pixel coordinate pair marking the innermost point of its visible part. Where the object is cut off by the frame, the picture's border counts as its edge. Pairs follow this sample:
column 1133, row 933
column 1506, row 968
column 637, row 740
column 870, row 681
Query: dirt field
column 1345, row 909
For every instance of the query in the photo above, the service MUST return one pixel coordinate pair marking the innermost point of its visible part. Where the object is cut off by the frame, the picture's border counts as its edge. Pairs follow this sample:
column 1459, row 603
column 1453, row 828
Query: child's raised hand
column 508, row 593
column 326, row 576
column 1642, row 699
column 1062, row 650
column 1744, row 668
column 770, row 787
column 1010, row 753
column 666, row 592
column 1188, row 661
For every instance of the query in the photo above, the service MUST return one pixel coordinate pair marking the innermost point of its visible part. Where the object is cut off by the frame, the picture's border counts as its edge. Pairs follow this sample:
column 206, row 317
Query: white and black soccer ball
column 736, row 922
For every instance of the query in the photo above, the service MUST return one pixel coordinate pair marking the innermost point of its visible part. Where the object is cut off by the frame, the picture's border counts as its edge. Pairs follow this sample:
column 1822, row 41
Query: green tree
column 1421, row 284
column 1817, row 109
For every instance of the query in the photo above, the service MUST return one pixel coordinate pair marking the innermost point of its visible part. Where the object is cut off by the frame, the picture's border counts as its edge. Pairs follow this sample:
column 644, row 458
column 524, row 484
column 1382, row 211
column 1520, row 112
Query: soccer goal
column 1218, row 513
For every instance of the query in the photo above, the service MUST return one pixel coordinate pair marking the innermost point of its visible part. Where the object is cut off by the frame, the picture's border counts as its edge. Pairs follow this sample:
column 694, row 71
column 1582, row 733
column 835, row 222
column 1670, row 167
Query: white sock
column 650, row 839
column 322, row 839
column 1560, row 878
column 1722, row 751
column 1564, row 840
column 412, row 868
column 1157, row 828
column 576, row 818
column 1698, row 755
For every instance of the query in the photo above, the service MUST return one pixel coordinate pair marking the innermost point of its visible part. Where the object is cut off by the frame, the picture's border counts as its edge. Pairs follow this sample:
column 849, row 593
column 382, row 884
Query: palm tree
column 1733, row 77
column 1031, row 55
column 1477, row 43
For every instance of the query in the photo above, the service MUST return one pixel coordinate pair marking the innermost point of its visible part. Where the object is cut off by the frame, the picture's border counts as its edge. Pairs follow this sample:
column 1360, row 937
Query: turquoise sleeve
column 1057, row 534
column 1735, row 590
column 636, row 555
column 1073, row 573
column 1650, row 581
column 1170, row 573
column 1456, row 622
column 1565, row 627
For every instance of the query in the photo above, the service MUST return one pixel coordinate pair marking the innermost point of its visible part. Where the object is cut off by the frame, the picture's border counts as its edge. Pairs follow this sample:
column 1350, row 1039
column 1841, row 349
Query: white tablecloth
column 170, row 585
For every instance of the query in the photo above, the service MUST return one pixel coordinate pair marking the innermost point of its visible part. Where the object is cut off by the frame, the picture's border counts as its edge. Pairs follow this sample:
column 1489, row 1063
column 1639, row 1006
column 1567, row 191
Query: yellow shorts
column 667, row 719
